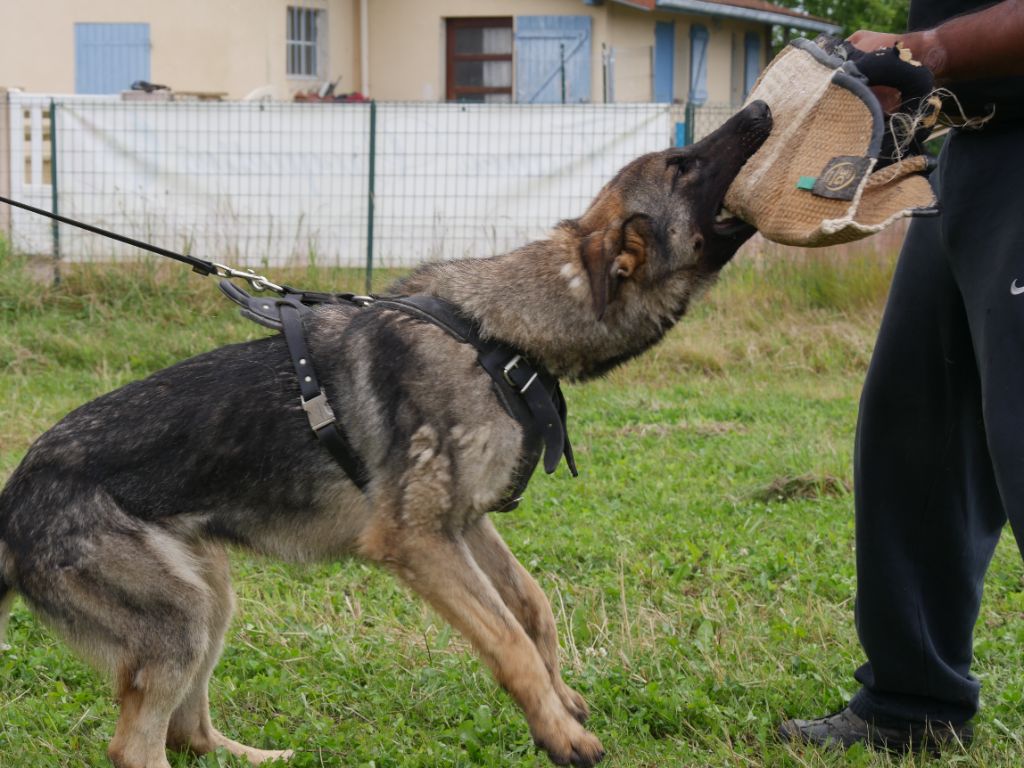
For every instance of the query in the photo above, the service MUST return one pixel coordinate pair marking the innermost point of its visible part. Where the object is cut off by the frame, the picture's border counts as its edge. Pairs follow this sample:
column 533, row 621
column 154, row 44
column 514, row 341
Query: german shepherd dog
column 114, row 527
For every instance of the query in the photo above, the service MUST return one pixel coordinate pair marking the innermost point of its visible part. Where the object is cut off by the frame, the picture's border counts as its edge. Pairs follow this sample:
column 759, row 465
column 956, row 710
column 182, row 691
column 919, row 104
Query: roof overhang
column 708, row 8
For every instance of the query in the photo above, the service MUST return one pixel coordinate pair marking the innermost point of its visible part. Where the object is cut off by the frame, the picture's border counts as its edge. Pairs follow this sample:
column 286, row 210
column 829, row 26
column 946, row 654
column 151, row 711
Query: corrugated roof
column 755, row 10
column 772, row 8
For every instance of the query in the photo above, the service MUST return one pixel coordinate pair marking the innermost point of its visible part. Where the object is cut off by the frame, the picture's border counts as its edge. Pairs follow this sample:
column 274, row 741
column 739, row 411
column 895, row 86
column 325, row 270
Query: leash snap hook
column 257, row 282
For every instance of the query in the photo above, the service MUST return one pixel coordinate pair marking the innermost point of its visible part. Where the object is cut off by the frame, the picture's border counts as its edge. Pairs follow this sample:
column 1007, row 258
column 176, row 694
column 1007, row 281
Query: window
column 698, row 64
column 303, row 41
column 479, row 60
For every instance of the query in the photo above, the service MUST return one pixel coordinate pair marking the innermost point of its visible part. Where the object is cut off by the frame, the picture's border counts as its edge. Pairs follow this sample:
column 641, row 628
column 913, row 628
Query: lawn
column 700, row 568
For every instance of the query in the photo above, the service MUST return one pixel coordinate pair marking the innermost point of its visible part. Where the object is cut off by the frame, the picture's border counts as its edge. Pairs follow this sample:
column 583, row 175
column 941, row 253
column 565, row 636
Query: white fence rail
column 281, row 183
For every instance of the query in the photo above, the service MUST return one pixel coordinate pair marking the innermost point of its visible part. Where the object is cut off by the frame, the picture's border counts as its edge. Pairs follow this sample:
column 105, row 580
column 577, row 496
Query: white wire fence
column 271, row 183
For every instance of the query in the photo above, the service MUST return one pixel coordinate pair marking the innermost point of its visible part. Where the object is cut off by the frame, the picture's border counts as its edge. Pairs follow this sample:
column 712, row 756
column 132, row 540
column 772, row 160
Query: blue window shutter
column 698, row 64
column 664, row 60
column 752, row 61
column 541, row 41
column 110, row 57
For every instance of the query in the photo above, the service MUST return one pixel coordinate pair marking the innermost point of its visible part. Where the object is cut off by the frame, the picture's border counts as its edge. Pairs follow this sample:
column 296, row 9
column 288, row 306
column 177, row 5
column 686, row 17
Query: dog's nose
column 759, row 110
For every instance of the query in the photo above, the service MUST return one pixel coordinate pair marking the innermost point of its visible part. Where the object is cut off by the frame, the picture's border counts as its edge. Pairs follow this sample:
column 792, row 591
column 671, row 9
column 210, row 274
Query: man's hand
column 869, row 41
column 866, row 40
column 983, row 44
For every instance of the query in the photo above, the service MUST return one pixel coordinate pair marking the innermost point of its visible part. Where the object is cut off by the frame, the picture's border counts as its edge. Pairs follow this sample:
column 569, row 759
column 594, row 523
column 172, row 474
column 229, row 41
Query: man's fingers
column 888, row 97
column 867, row 40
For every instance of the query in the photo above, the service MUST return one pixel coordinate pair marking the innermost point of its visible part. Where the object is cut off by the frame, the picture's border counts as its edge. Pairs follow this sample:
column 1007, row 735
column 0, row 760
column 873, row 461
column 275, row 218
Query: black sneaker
column 845, row 728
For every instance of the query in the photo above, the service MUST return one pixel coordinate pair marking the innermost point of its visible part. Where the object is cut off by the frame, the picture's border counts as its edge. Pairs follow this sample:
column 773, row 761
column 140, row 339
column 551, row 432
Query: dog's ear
column 612, row 255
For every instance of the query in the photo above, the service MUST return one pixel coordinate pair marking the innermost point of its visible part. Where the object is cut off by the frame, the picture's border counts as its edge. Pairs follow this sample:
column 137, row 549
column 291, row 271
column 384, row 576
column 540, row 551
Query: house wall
column 413, row 33
column 229, row 46
column 631, row 34
column 407, row 41
column 237, row 46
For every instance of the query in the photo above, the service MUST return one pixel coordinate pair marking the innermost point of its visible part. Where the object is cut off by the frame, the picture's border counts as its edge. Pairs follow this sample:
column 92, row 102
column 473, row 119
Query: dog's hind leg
column 190, row 726
column 6, row 599
column 129, row 596
column 528, row 603
column 6, row 602
column 441, row 568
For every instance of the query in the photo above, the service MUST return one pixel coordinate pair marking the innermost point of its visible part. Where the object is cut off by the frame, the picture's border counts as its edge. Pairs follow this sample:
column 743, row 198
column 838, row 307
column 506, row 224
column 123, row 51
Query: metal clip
column 509, row 367
column 257, row 282
column 363, row 301
column 526, row 386
column 318, row 411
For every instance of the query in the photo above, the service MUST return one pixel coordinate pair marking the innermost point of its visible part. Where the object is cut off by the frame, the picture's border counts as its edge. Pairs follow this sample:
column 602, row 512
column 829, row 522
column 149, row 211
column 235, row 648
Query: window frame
column 296, row 47
column 452, row 25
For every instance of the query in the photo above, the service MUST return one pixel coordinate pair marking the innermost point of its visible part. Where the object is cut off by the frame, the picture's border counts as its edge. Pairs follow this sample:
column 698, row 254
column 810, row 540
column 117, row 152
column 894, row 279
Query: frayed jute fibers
column 814, row 182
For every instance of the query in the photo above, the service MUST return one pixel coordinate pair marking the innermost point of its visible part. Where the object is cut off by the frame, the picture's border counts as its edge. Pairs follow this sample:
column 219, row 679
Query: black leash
column 200, row 266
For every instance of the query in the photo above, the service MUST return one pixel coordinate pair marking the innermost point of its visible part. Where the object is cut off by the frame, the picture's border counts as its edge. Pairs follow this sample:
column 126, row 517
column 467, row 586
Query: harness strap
column 517, row 378
column 312, row 396
column 529, row 394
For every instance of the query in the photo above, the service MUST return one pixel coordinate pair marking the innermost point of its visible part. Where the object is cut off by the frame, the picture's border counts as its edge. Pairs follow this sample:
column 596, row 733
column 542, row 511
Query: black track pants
column 939, row 463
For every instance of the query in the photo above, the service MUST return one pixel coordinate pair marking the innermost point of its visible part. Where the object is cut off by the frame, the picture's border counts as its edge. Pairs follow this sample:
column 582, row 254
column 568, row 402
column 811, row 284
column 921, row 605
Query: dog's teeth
column 724, row 215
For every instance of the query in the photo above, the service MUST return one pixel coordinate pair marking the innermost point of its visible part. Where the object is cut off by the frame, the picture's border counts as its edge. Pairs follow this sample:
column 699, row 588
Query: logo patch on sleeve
column 841, row 177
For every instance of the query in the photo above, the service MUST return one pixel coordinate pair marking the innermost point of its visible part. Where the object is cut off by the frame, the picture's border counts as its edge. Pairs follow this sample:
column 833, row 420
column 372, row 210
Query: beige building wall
column 238, row 46
column 407, row 40
column 413, row 33
column 632, row 38
column 228, row 46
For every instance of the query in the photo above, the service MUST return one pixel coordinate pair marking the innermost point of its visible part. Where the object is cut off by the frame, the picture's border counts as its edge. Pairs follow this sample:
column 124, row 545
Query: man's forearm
column 987, row 43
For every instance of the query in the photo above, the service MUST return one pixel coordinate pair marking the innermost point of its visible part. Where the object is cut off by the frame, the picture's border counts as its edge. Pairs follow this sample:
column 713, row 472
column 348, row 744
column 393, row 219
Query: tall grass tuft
column 844, row 278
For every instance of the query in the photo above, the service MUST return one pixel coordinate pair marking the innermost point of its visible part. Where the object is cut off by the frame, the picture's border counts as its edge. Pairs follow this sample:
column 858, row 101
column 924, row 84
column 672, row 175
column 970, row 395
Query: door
column 698, row 64
column 664, row 60
column 552, row 59
column 752, row 61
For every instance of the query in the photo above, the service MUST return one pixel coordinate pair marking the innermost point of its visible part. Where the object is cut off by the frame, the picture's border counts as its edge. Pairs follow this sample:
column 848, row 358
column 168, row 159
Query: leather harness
column 528, row 393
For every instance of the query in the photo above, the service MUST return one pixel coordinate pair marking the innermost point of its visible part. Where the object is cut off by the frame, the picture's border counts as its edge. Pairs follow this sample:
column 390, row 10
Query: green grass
column 700, row 568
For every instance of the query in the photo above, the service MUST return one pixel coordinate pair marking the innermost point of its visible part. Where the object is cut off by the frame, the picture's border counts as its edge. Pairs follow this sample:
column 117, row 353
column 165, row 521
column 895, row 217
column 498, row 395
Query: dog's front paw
column 573, row 702
column 572, row 746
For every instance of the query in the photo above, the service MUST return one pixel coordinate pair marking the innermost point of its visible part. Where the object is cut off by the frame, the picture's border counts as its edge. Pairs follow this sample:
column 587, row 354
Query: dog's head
column 662, row 214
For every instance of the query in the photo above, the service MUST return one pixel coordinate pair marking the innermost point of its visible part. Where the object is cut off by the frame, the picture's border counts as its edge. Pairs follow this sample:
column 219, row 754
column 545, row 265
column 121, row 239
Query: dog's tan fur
column 113, row 528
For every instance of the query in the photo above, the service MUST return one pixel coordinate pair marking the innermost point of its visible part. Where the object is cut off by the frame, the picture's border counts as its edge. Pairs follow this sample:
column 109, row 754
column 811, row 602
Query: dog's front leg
column 442, row 570
column 527, row 601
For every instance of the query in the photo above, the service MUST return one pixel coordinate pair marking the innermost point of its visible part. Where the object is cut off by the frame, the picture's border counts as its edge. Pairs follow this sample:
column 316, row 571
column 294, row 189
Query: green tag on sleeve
column 806, row 182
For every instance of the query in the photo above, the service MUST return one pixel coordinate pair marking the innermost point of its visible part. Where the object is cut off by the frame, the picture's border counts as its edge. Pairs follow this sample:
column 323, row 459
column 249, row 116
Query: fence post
column 5, row 163
column 691, row 114
column 372, row 180
column 54, row 227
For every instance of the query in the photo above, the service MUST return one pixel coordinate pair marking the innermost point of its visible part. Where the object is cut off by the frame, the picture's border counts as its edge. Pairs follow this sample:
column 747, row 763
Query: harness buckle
column 509, row 367
column 318, row 411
